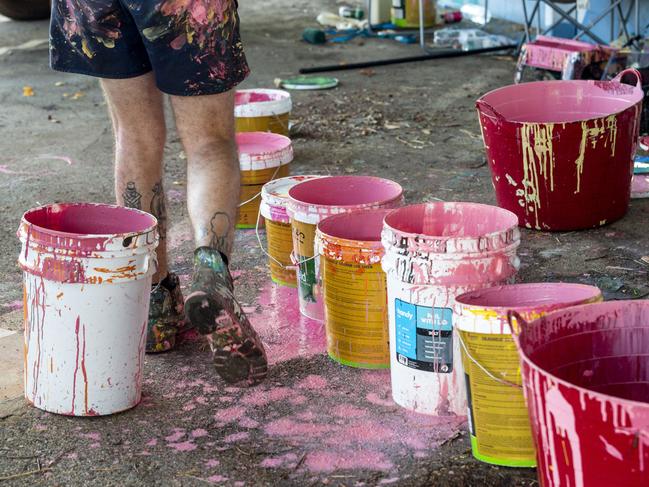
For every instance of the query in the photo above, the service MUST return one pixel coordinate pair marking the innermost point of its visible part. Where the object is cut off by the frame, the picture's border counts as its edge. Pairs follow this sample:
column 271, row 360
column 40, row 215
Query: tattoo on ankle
column 159, row 209
column 221, row 232
column 132, row 199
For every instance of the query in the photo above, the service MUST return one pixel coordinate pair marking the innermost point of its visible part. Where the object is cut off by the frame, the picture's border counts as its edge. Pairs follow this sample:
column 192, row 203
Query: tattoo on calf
column 132, row 199
column 221, row 232
column 159, row 209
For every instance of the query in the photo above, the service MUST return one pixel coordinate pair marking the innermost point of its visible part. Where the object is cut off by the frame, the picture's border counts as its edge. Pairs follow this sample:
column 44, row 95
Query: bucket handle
column 485, row 107
column 634, row 72
column 489, row 374
column 516, row 323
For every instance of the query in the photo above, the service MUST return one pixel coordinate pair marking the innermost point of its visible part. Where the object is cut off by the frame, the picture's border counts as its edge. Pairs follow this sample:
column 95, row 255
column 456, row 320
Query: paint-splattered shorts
column 192, row 46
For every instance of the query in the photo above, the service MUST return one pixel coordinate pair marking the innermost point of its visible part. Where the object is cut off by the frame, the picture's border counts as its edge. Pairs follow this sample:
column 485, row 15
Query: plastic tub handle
column 485, row 107
column 634, row 72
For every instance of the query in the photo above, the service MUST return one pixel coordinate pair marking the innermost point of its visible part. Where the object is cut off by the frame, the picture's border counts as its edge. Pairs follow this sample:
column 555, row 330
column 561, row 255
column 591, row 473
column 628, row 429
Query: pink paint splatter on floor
column 72, row 456
column 152, row 442
column 262, row 397
column 199, row 433
column 233, row 438
column 285, row 332
column 183, row 446
column 230, row 415
column 348, row 411
column 329, row 461
column 176, row 435
column 274, row 462
column 313, row 382
column 248, row 423
column 13, row 305
column 212, row 463
column 217, row 479
column 287, row 427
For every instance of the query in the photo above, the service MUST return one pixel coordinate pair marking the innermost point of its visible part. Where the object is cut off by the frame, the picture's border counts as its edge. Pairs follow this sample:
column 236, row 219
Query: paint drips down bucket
column 87, row 279
column 259, row 110
column 312, row 201
column 274, row 198
column 354, row 288
column 262, row 158
column 498, row 419
column 433, row 253
column 586, row 377
column 561, row 152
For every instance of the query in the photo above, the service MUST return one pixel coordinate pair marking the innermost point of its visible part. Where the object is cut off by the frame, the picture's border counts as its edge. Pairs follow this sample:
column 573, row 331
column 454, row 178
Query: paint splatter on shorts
column 192, row 46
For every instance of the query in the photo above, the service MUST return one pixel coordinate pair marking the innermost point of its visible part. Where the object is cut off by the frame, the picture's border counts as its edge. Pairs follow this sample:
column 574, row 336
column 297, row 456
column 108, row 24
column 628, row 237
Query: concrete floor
column 313, row 422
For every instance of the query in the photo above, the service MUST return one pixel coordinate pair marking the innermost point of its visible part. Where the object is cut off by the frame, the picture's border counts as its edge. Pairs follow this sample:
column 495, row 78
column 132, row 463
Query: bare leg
column 137, row 111
column 206, row 128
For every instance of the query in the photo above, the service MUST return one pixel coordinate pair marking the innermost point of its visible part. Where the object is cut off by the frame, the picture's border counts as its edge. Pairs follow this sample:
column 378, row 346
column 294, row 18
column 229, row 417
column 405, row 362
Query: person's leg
column 137, row 111
column 206, row 128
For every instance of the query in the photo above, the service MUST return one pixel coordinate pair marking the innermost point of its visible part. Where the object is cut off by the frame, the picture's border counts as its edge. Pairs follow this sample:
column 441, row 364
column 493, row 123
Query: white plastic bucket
column 311, row 202
column 87, row 280
column 433, row 253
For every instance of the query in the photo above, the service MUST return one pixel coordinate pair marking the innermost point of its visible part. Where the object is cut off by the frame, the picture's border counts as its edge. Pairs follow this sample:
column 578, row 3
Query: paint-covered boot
column 212, row 309
column 166, row 315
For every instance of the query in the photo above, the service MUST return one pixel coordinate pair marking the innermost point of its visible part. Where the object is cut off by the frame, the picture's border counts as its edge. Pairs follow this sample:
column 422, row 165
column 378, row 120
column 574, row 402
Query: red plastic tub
column 561, row 152
column 586, row 380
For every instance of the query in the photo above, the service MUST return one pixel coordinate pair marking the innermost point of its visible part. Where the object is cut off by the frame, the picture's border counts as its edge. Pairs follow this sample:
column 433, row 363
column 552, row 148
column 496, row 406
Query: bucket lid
column 531, row 301
column 263, row 150
column 275, row 193
column 352, row 237
column 259, row 102
column 312, row 201
column 563, row 101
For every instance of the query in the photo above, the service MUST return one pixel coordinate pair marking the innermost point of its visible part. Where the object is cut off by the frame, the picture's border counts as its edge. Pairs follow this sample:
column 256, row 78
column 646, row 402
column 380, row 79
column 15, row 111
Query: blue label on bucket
column 424, row 337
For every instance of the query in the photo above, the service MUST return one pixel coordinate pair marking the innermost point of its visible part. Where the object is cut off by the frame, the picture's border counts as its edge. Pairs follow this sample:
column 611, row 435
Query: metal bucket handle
column 485, row 107
column 634, row 72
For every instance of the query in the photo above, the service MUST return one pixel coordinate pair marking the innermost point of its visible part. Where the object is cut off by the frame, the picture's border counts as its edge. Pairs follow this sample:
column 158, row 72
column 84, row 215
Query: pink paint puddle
column 212, row 463
column 229, row 415
column 199, row 433
column 233, row 438
column 217, row 479
column 313, row 382
column 176, row 435
column 13, row 305
column 285, row 332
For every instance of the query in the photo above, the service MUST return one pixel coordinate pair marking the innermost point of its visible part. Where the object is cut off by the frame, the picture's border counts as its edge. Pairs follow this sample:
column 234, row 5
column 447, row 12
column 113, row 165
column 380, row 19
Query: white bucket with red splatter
column 87, row 280
column 435, row 252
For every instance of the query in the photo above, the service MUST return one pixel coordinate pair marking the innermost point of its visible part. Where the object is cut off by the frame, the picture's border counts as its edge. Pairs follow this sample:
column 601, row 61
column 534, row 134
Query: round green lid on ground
column 310, row 83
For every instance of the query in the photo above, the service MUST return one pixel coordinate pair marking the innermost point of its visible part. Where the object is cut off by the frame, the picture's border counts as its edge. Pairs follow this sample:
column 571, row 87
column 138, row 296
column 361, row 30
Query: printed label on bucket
column 308, row 279
column 424, row 337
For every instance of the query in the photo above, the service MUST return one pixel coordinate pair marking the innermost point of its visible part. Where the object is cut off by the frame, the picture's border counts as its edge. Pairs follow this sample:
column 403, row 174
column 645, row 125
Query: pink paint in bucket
column 87, row 279
column 585, row 378
column 492, row 368
column 312, row 201
column 433, row 253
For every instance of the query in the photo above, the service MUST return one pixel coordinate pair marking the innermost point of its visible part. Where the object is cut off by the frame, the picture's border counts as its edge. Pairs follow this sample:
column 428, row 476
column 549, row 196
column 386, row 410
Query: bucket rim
column 449, row 238
column 276, row 106
column 24, row 222
column 325, row 236
column 637, row 92
column 582, row 390
column 254, row 161
column 463, row 299
column 270, row 194
column 297, row 206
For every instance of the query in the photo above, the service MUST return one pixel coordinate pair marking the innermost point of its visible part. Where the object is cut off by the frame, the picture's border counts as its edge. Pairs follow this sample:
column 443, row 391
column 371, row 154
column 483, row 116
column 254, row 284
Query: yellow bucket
column 355, row 289
column 260, row 110
column 274, row 198
column 262, row 158
column 498, row 418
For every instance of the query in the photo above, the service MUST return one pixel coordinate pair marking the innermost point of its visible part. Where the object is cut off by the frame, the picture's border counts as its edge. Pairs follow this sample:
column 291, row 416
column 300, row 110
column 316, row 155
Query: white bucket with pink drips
column 433, row 253
column 87, row 280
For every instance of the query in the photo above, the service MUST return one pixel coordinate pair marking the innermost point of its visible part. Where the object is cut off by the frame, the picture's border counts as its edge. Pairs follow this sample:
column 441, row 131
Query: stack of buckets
column 265, row 151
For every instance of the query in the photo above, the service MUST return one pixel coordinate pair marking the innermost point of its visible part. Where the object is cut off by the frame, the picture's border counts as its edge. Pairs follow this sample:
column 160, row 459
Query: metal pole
column 486, row 11
column 422, row 41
